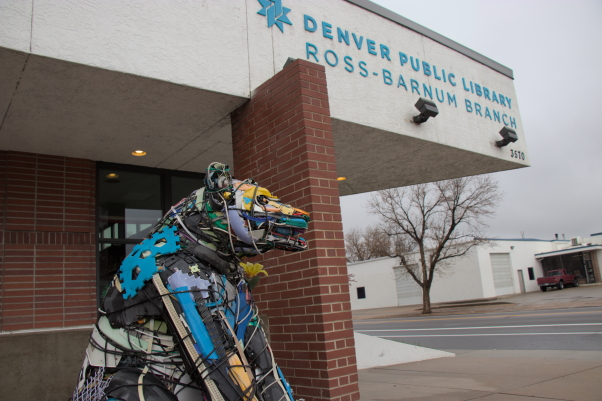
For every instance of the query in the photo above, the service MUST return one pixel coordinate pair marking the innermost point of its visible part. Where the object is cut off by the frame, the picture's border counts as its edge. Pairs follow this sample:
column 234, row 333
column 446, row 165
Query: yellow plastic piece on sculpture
column 253, row 269
column 281, row 207
column 252, row 193
column 240, row 376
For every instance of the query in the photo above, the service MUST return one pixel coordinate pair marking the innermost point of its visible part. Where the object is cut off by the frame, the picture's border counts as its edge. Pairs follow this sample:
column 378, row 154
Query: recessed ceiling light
column 341, row 178
column 139, row 153
column 112, row 176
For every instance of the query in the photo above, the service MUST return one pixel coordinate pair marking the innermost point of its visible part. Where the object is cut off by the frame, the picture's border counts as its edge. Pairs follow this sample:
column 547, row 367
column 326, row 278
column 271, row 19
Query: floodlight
column 508, row 135
column 427, row 108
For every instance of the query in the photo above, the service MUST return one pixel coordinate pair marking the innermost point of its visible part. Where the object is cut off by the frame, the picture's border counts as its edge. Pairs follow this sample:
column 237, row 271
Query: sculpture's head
column 255, row 220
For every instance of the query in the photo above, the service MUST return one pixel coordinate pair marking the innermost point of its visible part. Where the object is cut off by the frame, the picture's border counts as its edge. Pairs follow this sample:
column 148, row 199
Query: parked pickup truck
column 558, row 279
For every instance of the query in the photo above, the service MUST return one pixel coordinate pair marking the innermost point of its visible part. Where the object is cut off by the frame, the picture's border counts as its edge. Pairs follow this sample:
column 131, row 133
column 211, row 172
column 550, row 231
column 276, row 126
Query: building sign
column 401, row 70
column 491, row 104
column 275, row 13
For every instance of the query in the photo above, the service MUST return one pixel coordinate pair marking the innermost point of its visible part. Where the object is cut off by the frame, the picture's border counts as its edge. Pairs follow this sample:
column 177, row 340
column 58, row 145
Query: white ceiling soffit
column 60, row 108
column 372, row 159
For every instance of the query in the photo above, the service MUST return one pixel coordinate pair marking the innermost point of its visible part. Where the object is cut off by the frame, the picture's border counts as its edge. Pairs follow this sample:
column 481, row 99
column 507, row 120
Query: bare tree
column 354, row 246
column 434, row 223
column 368, row 243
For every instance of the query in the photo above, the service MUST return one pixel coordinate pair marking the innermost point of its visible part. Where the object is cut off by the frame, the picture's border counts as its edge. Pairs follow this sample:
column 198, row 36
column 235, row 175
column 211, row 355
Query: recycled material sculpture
column 179, row 322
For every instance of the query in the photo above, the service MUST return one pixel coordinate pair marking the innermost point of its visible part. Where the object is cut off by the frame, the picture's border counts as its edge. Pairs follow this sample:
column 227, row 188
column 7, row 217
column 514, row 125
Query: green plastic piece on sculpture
column 218, row 218
column 294, row 221
column 140, row 265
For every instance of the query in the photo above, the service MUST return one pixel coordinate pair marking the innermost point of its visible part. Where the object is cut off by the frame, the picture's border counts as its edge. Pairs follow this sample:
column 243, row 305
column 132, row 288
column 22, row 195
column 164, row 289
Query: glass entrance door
column 130, row 201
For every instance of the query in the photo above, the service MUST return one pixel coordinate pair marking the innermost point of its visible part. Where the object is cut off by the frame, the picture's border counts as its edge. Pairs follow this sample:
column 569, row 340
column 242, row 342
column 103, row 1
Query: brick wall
column 283, row 139
column 47, row 241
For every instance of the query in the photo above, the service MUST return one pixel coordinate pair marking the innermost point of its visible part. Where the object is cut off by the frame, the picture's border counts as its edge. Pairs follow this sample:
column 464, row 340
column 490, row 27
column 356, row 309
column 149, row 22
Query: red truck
column 558, row 279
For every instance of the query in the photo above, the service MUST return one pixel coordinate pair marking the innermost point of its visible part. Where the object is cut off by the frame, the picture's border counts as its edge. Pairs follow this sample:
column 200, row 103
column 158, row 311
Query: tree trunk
column 426, row 300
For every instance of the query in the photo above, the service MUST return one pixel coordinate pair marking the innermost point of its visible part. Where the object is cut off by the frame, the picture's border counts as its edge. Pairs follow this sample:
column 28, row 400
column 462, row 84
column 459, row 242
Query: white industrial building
column 508, row 266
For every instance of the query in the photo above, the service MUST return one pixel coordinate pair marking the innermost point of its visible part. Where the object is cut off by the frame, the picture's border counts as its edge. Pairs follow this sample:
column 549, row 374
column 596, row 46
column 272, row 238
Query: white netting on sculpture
column 93, row 389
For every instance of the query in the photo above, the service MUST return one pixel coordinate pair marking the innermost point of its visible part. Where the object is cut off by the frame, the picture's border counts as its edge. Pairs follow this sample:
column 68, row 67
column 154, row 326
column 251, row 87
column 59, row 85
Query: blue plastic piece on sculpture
column 197, row 327
column 287, row 386
column 244, row 314
column 257, row 219
column 142, row 260
column 230, row 317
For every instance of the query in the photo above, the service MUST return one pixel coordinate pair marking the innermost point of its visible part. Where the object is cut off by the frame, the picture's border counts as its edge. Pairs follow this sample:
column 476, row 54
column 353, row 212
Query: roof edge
column 527, row 239
column 569, row 250
column 369, row 260
column 390, row 15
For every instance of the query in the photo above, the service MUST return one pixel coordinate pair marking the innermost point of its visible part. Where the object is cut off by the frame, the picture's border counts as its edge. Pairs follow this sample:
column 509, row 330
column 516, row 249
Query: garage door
column 408, row 291
column 502, row 274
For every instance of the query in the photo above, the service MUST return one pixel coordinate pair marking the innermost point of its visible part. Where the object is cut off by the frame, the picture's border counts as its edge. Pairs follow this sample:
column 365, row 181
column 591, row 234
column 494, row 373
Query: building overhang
column 56, row 107
column 165, row 79
column 569, row 251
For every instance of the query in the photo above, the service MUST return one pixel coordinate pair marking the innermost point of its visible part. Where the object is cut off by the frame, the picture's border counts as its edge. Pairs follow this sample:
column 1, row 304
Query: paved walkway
column 492, row 375
column 489, row 376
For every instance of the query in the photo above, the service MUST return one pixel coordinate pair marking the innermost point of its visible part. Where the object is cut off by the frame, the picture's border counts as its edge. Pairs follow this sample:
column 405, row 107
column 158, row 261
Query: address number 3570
column 516, row 154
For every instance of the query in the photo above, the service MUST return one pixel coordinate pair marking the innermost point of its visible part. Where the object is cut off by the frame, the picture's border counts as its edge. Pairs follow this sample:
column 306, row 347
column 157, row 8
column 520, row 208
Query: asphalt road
column 577, row 329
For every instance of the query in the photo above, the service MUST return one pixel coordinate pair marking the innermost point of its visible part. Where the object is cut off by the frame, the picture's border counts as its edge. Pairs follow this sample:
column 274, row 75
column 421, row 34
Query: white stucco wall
column 15, row 24
column 201, row 44
column 522, row 256
column 377, row 277
column 227, row 47
column 466, row 278
column 459, row 281
column 370, row 102
column 595, row 239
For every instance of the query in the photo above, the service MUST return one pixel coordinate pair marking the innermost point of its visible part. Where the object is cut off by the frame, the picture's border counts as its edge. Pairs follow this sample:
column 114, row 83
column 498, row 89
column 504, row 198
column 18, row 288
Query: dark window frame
column 165, row 176
column 361, row 292
column 531, row 273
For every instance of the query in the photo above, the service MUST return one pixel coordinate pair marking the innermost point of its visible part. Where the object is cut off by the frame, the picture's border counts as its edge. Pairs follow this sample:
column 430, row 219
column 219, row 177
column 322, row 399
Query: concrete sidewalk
column 489, row 376
column 492, row 375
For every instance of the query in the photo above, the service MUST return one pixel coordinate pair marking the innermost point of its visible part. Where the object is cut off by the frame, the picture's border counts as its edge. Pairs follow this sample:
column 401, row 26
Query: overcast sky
column 555, row 51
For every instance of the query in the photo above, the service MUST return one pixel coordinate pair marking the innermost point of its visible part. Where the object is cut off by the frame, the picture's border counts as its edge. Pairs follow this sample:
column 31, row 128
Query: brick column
column 47, row 241
column 283, row 139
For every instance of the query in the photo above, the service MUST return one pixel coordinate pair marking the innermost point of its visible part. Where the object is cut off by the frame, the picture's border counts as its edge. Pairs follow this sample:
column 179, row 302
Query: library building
column 110, row 113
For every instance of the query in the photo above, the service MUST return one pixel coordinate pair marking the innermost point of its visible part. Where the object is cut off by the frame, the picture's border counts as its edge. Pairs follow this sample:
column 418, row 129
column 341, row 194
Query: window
column 130, row 201
column 361, row 292
column 531, row 273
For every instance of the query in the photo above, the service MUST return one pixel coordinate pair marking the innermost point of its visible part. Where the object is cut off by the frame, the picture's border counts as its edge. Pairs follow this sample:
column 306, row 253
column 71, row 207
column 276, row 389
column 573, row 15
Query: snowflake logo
column 275, row 12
